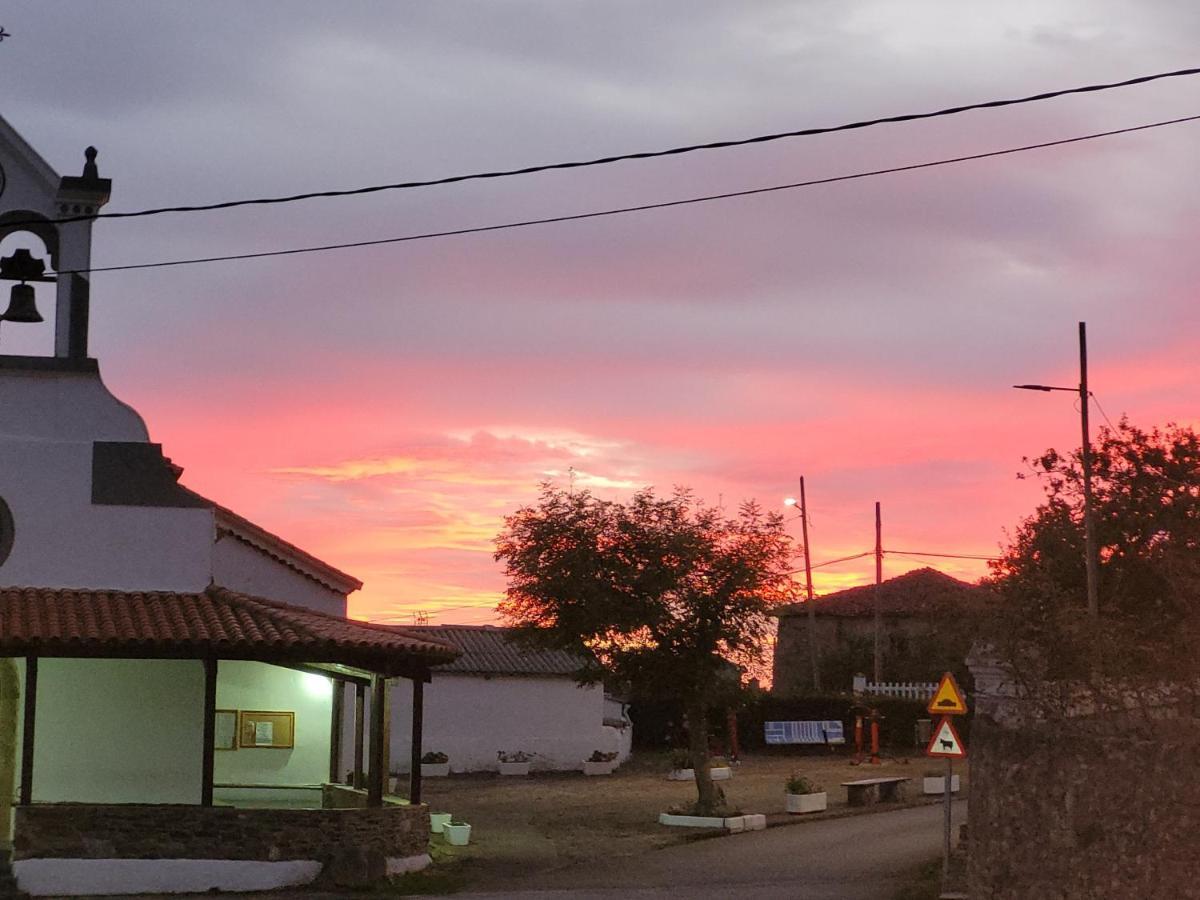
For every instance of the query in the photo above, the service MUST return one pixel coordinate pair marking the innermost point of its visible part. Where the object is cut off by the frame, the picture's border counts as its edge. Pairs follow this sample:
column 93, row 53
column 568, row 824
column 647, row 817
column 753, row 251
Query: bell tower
column 34, row 199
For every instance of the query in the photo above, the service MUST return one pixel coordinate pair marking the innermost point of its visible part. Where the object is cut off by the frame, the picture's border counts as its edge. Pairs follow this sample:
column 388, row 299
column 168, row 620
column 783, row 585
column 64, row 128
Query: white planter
column 721, row 773
column 938, row 785
column 438, row 821
column 807, row 803
column 435, row 770
column 681, row 775
column 457, row 835
column 598, row 768
column 521, row 768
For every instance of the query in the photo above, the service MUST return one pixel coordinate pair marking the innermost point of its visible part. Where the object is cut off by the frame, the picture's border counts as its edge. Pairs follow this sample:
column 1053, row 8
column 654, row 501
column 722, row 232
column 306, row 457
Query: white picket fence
column 905, row 690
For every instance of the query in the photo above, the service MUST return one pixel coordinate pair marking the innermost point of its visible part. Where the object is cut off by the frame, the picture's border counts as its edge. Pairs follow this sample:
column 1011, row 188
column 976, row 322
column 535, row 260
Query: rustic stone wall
column 1056, row 812
column 354, row 844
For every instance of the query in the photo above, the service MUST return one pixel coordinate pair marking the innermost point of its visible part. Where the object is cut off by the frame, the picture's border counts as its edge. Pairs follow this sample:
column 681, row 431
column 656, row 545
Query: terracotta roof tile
column 920, row 592
column 215, row 622
column 488, row 650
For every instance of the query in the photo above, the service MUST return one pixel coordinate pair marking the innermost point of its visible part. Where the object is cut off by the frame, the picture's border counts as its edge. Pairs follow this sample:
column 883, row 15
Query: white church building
column 176, row 676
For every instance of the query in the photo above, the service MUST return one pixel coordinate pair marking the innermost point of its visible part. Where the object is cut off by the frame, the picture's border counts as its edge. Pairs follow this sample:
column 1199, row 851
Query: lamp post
column 1089, row 525
column 814, row 648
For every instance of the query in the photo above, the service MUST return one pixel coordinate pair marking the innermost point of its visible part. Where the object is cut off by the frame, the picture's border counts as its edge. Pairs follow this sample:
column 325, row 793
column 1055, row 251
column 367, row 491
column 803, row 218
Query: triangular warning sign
column 948, row 699
column 946, row 743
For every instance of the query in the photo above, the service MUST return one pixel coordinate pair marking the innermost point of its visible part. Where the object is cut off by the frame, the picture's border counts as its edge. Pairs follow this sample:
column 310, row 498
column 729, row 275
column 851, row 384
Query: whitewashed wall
column 48, row 421
column 118, row 731
column 471, row 717
column 258, row 686
column 240, row 567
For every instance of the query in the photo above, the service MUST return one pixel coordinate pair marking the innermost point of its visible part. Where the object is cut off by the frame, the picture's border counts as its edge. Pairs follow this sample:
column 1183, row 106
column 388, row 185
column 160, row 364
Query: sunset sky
column 385, row 407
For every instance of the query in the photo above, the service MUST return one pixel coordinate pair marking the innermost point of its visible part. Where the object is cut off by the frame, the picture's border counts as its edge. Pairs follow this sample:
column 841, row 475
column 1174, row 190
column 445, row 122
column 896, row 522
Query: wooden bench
column 868, row 791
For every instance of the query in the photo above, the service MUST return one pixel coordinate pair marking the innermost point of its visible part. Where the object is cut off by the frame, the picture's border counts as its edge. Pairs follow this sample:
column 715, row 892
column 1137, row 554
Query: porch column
column 377, row 776
column 210, row 725
column 31, row 678
column 418, row 717
column 335, row 731
column 360, row 701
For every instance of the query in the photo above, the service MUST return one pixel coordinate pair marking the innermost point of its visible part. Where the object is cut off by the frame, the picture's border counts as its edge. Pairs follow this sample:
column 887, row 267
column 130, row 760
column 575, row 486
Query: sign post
column 946, row 744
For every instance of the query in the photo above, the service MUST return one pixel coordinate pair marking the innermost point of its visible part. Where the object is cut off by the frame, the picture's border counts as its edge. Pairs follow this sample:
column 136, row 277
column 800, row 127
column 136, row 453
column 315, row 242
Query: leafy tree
column 665, row 591
column 1146, row 493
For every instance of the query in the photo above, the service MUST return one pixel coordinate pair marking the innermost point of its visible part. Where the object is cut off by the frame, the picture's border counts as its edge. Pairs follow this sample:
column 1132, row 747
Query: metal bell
column 22, row 306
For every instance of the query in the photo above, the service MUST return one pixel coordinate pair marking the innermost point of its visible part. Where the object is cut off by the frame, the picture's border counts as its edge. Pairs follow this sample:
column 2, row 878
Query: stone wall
column 353, row 844
column 1059, row 813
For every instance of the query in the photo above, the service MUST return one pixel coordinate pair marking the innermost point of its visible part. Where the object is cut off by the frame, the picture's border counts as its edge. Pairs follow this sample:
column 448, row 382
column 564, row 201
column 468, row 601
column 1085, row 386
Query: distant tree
column 659, row 590
column 1146, row 490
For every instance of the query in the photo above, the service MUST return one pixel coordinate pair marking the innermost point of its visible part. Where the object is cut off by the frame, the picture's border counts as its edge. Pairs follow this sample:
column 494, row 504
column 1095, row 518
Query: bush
column 434, row 758
column 599, row 756
column 798, row 784
column 514, row 756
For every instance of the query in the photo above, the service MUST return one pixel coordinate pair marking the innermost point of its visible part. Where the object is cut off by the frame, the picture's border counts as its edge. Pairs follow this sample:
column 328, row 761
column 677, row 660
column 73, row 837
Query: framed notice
column 259, row 729
column 225, row 729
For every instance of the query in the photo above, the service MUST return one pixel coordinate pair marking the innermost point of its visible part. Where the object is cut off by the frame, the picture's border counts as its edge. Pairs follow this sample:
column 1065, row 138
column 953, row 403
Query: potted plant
column 804, row 795
column 457, row 833
column 438, row 822
column 934, row 782
column 719, row 769
column 600, row 763
column 681, row 766
column 514, row 762
column 435, row 764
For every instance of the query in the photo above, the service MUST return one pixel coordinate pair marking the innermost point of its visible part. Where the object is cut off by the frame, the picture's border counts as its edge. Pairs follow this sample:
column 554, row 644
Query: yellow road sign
column 948, row 699
column 945, row 742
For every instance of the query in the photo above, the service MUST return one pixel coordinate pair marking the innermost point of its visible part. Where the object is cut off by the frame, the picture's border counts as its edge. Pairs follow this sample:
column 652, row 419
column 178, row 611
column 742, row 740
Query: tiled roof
column 215, row 622
column 488, row 650
column 921, row 592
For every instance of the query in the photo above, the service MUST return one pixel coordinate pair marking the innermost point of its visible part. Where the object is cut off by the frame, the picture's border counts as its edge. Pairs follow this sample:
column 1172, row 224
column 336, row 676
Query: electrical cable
column 649, row 154
column 1096, row 399
column 942, row 555
column 628, row 209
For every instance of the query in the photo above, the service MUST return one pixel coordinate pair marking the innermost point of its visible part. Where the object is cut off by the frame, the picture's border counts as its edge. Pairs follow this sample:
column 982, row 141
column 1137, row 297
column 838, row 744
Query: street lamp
column 814, row 650
column 1089, row 527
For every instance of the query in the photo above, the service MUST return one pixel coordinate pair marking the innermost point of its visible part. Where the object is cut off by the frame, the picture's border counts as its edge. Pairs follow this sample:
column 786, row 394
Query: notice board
column 260, row 729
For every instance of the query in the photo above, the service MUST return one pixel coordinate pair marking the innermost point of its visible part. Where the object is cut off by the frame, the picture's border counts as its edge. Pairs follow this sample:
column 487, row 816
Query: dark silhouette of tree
column 1146, row 489
column 663, row 591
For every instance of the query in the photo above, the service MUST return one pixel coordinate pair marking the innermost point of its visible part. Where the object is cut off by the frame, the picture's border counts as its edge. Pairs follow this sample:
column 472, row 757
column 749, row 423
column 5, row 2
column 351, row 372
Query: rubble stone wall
column 1056, row 812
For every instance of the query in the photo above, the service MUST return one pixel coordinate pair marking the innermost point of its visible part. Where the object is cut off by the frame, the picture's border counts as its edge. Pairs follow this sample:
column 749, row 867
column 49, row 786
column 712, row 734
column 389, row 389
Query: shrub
column 514, row 756
column 599, row 756
column 799, row 784
column 435, row 757
column 681, row 759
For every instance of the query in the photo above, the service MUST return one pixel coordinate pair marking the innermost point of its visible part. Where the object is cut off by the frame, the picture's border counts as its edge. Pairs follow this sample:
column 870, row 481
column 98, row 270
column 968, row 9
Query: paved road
column 864, row 857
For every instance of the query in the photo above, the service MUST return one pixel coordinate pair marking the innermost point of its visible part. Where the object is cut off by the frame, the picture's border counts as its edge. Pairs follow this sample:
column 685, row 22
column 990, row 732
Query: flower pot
column 457, row 835
column 721, row 773
column 807, row 803
column 435, row 770
column 681, row 775
column 514, row 768
column 598, row 768
column 438, row 821
column 937, row 785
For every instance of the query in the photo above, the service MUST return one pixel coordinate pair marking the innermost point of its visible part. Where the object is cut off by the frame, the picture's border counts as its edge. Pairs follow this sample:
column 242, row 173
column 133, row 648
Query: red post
column 875, row 760
column 732, row 730
column 858, row 738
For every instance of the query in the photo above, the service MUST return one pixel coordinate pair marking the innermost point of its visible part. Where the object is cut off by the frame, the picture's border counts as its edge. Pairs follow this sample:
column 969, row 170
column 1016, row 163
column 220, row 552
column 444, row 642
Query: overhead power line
column 575, row 217
column 942, row 555
column 646, row 154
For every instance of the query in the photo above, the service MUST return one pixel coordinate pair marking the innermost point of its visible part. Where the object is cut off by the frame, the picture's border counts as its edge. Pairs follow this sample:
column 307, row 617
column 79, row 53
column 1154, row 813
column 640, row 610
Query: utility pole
column 1089, row 516
column 814, row 647
column 1091, row 563
column 878, row 582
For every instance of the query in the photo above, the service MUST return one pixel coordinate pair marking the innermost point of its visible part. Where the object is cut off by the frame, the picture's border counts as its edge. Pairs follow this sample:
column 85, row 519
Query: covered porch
column 185, row 742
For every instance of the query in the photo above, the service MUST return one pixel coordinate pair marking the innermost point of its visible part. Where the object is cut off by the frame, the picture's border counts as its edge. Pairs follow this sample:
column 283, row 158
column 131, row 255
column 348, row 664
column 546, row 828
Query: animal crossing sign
column 946, row 744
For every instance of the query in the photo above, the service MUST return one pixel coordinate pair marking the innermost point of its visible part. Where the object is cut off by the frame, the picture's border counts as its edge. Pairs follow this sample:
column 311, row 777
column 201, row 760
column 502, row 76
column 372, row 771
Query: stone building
column 176, row 674
column 927, row 629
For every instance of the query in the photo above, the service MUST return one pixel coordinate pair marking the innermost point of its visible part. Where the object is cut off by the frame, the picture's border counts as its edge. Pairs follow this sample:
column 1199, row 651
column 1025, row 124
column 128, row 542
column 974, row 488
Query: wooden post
column 878, row 582
column 335, row 731
column 418, row 717
column 210, row 724
column 360, row 701
column 31, row 680
column 814, row 647
column 376, row 776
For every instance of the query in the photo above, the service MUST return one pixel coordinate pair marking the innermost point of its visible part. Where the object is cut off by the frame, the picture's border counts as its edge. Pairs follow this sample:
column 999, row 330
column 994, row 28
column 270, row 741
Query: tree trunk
column 707, row 800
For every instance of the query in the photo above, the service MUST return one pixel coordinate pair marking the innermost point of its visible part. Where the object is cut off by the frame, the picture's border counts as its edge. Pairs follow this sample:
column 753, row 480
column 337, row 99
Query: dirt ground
column 521, row 826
